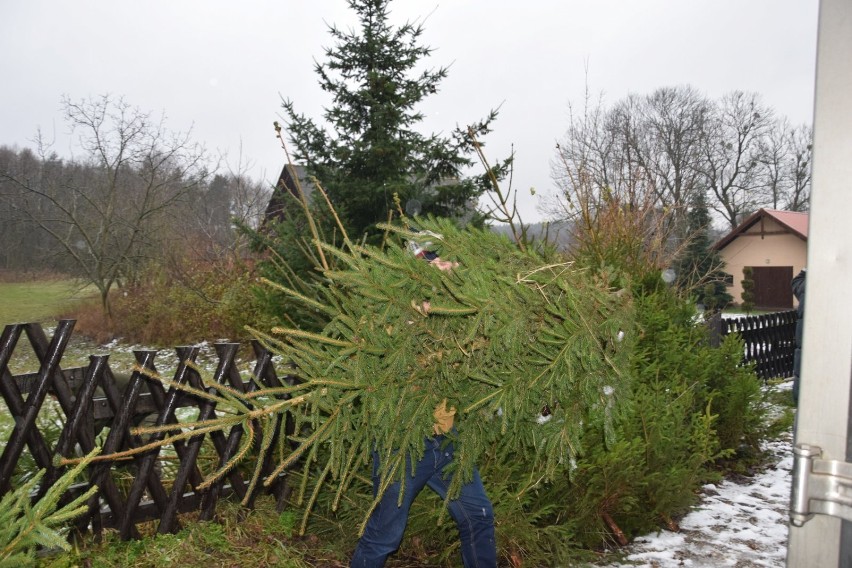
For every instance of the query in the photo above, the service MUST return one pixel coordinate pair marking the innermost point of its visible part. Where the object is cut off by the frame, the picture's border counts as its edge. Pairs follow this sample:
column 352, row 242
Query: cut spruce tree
column 528, row 350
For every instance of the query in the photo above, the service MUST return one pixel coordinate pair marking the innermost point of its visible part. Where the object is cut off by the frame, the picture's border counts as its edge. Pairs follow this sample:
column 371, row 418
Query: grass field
column 39, row 301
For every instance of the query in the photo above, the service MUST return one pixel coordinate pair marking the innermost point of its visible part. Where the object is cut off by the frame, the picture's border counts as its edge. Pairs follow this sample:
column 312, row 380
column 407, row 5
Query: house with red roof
column 774, row 243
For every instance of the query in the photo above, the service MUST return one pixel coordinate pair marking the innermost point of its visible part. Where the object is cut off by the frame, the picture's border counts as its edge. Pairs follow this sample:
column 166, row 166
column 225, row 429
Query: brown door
column 772, row 287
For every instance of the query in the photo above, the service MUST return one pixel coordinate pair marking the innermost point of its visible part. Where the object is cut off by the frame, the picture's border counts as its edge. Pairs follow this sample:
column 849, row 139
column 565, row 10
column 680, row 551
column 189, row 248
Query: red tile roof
column 796, row 222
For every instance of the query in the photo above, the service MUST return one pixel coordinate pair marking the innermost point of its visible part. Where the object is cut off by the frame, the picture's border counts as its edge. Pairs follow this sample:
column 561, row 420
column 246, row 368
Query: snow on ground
column 740, row 523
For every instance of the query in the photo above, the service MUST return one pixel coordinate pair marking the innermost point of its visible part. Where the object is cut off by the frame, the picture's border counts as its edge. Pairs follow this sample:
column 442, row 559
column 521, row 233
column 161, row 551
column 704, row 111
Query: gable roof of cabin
column 794, row 222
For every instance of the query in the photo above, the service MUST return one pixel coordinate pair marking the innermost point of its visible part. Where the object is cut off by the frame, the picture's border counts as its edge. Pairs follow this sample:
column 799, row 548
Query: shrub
column 184, row 304
column 690, row 405
column 748, row 289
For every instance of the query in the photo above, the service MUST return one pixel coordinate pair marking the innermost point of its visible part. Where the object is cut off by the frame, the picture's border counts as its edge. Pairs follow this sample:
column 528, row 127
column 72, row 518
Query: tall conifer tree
column 700, row 268
column 370, row 148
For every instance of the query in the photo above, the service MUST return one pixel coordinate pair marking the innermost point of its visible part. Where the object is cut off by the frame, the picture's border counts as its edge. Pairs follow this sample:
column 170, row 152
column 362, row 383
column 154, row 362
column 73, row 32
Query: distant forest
column 75, row 216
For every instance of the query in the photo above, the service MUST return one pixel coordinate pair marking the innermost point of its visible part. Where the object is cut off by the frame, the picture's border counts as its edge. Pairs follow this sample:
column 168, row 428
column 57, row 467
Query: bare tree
column 643, row 146
column 664, row 148
column 108, row 212
column 13, row 229
column 733, row 143
column 671, row 124
column 773, row 163
column 582, row 158
column 217, row 209
column 25, row 246
column 800, row 147
column 786, row 166
column 231, row 199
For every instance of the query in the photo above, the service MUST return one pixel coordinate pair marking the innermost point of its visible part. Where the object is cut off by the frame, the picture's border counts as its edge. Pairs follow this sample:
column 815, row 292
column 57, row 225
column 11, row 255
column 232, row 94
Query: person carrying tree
column 798, row 287
column 471, row 510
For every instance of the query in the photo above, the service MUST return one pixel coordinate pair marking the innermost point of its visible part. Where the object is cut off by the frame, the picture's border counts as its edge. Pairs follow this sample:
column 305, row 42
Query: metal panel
column 823, row 415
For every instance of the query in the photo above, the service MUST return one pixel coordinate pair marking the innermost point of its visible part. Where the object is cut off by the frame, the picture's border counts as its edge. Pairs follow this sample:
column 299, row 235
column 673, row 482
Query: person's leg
column 386, row 525
column 473, row 514
column 797, row 368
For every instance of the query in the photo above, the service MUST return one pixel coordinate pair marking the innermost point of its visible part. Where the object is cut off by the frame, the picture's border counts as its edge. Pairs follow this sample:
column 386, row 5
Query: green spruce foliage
column 27, row 526
column 368, row 147
column 691, row 408
column 699, row 268
column 503, row 337
column 748, row 289
column 691, row 405
column 586, row 392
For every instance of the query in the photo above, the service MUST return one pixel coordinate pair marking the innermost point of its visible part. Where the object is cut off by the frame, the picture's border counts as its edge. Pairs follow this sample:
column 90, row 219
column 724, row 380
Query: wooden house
column 774, row 244
column 292, row 179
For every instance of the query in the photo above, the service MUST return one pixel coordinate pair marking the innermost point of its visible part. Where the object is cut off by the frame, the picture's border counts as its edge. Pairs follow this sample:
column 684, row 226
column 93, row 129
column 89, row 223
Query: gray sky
column 221, row 67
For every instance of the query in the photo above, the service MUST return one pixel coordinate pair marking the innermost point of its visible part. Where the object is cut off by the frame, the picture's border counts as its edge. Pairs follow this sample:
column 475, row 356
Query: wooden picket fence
column 149, row 496
column 769, row 341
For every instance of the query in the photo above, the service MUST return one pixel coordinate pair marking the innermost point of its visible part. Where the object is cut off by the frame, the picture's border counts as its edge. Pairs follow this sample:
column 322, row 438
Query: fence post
column 49, row 359
column 714, row 324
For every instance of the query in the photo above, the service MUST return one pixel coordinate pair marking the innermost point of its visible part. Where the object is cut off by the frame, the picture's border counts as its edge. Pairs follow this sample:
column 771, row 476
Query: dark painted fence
column 90, row 398
column 769, row 341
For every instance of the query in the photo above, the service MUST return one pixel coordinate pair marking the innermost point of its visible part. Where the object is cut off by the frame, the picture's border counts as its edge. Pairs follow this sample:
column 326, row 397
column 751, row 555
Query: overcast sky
column 220, row 67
